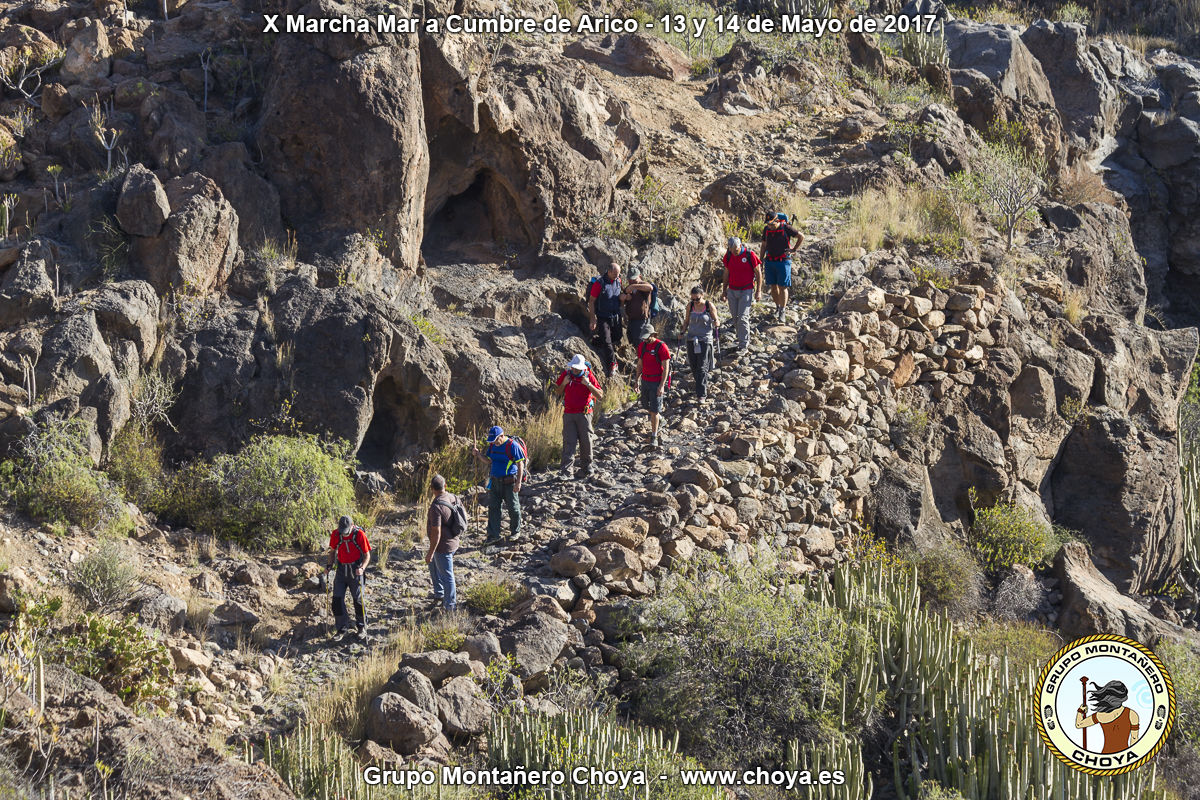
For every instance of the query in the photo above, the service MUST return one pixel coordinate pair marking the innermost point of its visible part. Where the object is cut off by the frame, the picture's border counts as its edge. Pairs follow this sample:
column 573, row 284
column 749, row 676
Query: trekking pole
column 1084, row 681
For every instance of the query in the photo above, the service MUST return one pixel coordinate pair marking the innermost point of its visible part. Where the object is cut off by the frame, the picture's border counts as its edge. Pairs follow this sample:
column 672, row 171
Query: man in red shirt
column 351, row 552
column 656, row 376
column 743, row 286
column 578, row 387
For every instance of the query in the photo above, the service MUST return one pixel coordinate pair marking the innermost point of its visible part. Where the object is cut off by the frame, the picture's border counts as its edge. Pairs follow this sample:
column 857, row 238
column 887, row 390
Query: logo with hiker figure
column 1105, row 704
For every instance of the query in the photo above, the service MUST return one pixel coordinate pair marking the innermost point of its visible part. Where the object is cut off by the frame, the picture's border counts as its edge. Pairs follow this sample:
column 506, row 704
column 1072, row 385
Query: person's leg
column 340, row 618
column 514, row 509
column 570, row 433
column 495, row 499
column 697, row 366
column 604, row 331
column 703, row 357
column 445, row 563
column 360, row 612
column 585, row 442
column 439, row 591
column 785, row 283
column 744, row 301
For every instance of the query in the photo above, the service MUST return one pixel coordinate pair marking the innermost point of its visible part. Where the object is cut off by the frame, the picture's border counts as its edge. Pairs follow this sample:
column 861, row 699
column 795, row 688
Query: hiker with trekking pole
column 350, row 552
column 506, row 456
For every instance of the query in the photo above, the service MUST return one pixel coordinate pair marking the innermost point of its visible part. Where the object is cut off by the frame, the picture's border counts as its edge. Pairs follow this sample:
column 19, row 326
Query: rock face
column 196, row 249
column 998, row 52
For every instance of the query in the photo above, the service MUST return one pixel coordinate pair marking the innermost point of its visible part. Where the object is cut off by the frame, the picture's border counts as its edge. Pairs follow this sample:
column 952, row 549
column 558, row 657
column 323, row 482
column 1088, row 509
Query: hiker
column 656, row 376
column 507, row 460
column 579, row 388
column 350, row 550
column 639, row 306
column 776, row 254
column 743, row 286
column 447, row 521
column 703, row 333
column 604, row 315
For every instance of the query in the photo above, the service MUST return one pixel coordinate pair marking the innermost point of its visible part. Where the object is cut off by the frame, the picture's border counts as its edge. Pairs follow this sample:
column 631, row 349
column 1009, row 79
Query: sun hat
column 578, row 363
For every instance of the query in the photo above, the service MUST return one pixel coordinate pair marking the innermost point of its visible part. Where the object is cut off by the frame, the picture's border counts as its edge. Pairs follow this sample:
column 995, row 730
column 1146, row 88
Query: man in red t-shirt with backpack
column 656, row 376
column 578, row 386
column 351, row 552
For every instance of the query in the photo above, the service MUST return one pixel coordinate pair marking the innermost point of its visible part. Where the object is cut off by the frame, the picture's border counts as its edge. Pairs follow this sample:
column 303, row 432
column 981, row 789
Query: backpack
column 780, row 231
column 456, row 526
column 600, row 280
column 655, row 306
column 352, row 539
column 524, row 450
column 641, row 349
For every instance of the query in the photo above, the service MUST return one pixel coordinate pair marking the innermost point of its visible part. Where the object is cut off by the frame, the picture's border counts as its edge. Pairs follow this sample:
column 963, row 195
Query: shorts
column 778, row 273
column 651, row 399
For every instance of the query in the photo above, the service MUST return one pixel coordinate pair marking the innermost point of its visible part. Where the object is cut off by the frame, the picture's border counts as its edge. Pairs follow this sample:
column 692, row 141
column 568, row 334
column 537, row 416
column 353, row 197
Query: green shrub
column 135, row 463
column 932, row 790
column 739, row 666
column 444, row 633
column 277, row 491
column 53, row 479
column 1073, row 12
column 949, row 578
column 909, row 425
column 492, row 596
column 106, row 578
column 1184, row 665
column 120, row 655
column 1027, row 646
column 1008, row 534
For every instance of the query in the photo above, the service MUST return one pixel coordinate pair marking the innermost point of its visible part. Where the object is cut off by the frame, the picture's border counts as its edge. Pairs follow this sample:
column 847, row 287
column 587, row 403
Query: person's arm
column 641, row 286
column 725, row 265
column 434, row 531
column 520, row 474
column 592, row 311
column 1134, row 726
column 1081, row 718
column 332, row 558
column 666, row 374
column 596, row 390
column 758, row 279
column 799, row 240
column 366, row 557
column 478, row 455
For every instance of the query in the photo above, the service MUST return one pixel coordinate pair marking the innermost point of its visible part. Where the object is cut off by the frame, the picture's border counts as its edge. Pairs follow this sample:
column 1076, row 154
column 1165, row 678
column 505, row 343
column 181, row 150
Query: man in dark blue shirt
column 507, row 459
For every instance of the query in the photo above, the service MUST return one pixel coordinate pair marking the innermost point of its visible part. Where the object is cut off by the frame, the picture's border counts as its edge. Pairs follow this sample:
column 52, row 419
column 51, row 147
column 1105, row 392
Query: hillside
column 251, row 281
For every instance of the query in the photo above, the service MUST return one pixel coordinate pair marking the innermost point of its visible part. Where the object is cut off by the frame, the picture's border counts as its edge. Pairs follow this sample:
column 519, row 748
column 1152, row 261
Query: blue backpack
column 655, row 306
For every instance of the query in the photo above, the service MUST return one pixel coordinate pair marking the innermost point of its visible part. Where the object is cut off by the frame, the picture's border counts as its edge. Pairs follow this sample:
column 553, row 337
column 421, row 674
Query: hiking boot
column 587, row 472
column 654, row 440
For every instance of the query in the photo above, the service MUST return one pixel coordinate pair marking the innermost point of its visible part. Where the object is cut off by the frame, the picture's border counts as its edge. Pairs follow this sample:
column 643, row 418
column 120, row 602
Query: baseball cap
column 494, row 433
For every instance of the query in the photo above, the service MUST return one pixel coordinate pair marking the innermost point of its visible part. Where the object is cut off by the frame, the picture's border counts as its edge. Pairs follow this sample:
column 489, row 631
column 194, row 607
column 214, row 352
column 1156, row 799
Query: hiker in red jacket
column 579, row 388
column 656, row 376
column 351, row 552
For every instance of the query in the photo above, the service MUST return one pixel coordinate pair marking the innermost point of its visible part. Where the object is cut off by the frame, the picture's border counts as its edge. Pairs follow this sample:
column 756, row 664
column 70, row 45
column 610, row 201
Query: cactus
column 968, row 722
column 920, row 48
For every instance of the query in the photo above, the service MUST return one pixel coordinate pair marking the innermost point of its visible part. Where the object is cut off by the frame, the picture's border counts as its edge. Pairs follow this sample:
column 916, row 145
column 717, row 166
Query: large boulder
column 998, row 52
column 26, row 290
column 143, row 207
column 196, row 249
column 462, row 708
column 437, row 665
column 402, row 726
column 1091, row 604
column 413, row 686
column 89, row 57
column 1090, row 104
column 632, row 54
column 534, row 642
column 572, row 561
column 617, row 562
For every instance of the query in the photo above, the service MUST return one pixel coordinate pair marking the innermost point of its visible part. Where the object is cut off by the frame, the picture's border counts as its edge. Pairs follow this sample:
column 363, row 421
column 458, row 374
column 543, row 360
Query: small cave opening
column 479, row 222
column 382, row 442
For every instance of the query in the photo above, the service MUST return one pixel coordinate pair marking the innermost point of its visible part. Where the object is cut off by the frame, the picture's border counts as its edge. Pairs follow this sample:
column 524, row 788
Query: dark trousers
column 502, row 493
column 700, row 362
column 347, row 578
column 608, row 336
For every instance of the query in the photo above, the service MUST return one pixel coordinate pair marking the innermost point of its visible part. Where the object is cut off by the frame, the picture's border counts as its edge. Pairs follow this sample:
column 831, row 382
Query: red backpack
column 657, row 355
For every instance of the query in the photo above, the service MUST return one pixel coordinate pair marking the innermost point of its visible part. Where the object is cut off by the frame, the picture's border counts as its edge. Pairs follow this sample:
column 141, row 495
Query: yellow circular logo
column 1105, row 704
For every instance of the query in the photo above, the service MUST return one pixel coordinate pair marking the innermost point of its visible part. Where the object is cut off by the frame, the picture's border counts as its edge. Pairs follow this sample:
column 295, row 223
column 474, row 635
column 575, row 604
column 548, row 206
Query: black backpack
column 456, row 526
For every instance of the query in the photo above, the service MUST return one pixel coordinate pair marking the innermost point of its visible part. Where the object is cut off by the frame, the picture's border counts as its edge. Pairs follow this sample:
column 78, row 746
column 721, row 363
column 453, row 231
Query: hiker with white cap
column 743, row 286
column 350, row 551
column 507, row 459
column 579, row 389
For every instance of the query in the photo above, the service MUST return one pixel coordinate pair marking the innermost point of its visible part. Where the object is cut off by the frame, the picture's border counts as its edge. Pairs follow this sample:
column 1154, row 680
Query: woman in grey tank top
column 703, row 330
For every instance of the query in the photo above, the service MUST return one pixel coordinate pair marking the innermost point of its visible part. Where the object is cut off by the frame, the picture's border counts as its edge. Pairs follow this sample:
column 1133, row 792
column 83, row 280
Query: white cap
column 578, row 363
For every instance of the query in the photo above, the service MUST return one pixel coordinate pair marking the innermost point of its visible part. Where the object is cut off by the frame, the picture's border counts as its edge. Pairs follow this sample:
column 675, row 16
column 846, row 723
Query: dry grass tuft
column 1080, row 184
column 1075, row 305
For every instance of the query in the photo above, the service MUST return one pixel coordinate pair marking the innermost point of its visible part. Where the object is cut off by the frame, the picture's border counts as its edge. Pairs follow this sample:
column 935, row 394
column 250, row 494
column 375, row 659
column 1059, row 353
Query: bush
column 105, row 578
column 1008, row 534
column 135, row 463
column 909, row 425
column 277, row 491
column 1080, row 184
column 53, row 479
column 1073, row 12
column 934, row 218
column 492, row 596
column 1075, row 305
column 932, row 790
column 1184, row 665
column 949, row 578
column 739, row 666
column 1027, row 646
column 446, row 632
column 120, row 655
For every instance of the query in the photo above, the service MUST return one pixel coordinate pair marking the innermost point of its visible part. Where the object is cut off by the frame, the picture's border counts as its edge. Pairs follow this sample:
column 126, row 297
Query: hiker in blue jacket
column 507, row 473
